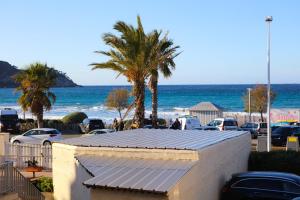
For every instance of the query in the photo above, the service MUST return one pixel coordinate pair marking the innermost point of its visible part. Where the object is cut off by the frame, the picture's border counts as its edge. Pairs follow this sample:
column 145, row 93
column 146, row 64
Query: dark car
column 262, row 186
column 280, row 134
column 88, row 125
column 151, row 127
column 251, row 127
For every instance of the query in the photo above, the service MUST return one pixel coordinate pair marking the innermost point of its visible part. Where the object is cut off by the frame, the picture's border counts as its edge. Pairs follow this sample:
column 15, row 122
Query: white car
column 99, row 131
column 43, row 136
column 224, row 124
column 189, row 123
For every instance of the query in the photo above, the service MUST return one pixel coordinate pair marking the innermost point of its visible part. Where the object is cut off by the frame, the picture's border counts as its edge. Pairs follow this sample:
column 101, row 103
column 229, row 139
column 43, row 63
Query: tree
column 129, row 56
column 259, row 100
column 35, row 83
column 162, row 60
column 118, row 99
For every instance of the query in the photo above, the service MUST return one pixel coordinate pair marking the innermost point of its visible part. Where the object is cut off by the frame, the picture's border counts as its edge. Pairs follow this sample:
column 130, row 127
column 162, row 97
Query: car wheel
column 46, row 143
column 16, row 142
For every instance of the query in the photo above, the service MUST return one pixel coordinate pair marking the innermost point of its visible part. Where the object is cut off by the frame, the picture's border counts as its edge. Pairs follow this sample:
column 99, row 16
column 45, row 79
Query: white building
column 206, row 112
column 148, row 164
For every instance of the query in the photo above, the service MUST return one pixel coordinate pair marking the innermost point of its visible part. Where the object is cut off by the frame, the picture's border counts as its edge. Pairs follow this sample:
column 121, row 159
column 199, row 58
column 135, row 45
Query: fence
column 20, row 154
column 11, row 180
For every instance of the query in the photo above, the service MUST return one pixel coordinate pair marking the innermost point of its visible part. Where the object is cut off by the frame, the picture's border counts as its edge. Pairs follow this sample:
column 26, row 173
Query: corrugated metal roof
column 134, row 174
column 206, row 106
column 155, row 139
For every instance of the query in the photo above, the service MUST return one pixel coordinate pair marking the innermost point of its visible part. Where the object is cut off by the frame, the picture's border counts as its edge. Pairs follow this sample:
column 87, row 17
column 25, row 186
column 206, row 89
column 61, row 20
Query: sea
column 173, row 100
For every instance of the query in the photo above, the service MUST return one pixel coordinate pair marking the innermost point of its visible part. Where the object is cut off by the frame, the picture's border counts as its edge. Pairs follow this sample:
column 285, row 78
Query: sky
column 222, row 42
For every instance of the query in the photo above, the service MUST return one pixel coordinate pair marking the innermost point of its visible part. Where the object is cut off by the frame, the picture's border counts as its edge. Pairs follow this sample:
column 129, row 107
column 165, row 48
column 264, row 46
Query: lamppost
column 269, row 19
column 249, row 103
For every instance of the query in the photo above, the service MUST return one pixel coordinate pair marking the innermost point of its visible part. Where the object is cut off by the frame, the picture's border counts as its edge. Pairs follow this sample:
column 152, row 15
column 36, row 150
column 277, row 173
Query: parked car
column 280, row 134
column 100, row 131
column 43, row 136
column 159, row 127
column 208, row 128
column 88, row 125
column 262, row 186
column 189, row 123
column 224, row 124
column 9, row 121
column 255, row 128
column 251, row 127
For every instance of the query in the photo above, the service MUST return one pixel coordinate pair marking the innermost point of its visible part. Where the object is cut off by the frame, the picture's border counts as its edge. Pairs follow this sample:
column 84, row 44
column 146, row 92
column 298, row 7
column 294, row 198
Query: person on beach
column 176, row 125
column 115, row 124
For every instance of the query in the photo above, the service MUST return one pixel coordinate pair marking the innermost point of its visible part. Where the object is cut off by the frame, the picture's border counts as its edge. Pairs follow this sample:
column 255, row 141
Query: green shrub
column 74, row 118
column 282, row 161
column 44, row 184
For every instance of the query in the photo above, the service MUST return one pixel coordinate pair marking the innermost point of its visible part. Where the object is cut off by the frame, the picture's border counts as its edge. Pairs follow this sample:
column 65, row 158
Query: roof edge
column 126, row 189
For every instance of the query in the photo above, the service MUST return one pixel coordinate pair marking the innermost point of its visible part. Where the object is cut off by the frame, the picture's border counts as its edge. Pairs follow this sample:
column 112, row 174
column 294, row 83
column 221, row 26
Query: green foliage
column 258, row 99
column 282, row 161
column 44, row 184
column 35, row 83
column 74, row 118
column 118, row 99
column 53, row 123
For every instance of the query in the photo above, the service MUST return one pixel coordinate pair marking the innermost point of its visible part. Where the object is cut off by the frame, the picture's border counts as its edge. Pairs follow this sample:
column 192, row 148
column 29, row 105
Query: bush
column 281, row 161
column 52, row 123
column 74, row 118
column 44, row 184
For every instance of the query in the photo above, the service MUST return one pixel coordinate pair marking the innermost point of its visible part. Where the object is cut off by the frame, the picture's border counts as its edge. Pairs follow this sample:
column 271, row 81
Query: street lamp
column 249, row 103
column 269, row 19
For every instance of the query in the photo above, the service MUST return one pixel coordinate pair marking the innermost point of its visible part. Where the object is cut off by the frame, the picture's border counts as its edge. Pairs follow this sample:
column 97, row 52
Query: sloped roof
column 206, row 106
column 155, row 139
column 134, row 174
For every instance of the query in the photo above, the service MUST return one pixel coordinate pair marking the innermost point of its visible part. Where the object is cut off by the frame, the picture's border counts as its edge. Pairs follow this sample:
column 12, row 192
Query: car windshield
column 95, row 122
column 263, row 125
column 281, row 131
column 8, row 117
column 230, row 123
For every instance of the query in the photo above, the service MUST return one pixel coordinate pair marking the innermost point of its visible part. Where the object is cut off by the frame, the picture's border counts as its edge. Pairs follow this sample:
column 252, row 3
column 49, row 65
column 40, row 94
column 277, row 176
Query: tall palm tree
column 35, row 83
column 162, row 60
column 129, row 56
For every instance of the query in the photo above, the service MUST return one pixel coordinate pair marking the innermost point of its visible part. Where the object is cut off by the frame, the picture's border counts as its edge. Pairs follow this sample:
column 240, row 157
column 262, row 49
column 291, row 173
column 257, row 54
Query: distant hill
column 7, row 71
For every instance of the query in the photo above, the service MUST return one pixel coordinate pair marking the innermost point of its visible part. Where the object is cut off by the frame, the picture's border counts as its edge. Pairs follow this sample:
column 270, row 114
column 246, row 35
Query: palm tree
column 162, row 60
column 129, row 56
column 35, row 83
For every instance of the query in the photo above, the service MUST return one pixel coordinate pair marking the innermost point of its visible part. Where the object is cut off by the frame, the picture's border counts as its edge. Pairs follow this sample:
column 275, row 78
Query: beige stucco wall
column 68, row 175
column 102, row 194
column 216, row 165
column 4, row 138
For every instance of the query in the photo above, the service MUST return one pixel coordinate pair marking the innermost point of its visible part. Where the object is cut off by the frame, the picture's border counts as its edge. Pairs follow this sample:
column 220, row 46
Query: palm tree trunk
column 139, row 93
column 261, row 117
column 40, row 120
column 154, row 100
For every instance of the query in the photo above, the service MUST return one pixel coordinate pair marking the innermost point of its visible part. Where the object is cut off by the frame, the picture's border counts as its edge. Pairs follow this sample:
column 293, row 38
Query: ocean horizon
column 173, row 100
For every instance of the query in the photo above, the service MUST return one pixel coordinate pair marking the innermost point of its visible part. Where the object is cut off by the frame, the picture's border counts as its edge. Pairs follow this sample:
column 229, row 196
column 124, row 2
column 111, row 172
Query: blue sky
column 223, row 42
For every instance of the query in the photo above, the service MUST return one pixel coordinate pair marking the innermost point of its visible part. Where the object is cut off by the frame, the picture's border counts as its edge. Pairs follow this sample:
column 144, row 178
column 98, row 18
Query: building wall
column 203, row 182
column 103, row 194
column 68, row 175
column 206, row 116
column 216, row 165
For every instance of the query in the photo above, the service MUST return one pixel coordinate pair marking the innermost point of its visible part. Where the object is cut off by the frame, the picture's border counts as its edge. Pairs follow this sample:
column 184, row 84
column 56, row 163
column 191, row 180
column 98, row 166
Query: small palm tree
column 162, row 60
column 129, row 56
column 35, row 83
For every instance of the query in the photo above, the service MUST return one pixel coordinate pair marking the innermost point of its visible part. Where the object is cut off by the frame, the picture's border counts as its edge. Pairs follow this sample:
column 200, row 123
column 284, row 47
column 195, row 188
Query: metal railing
column 21, row 153
column 11, row 180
